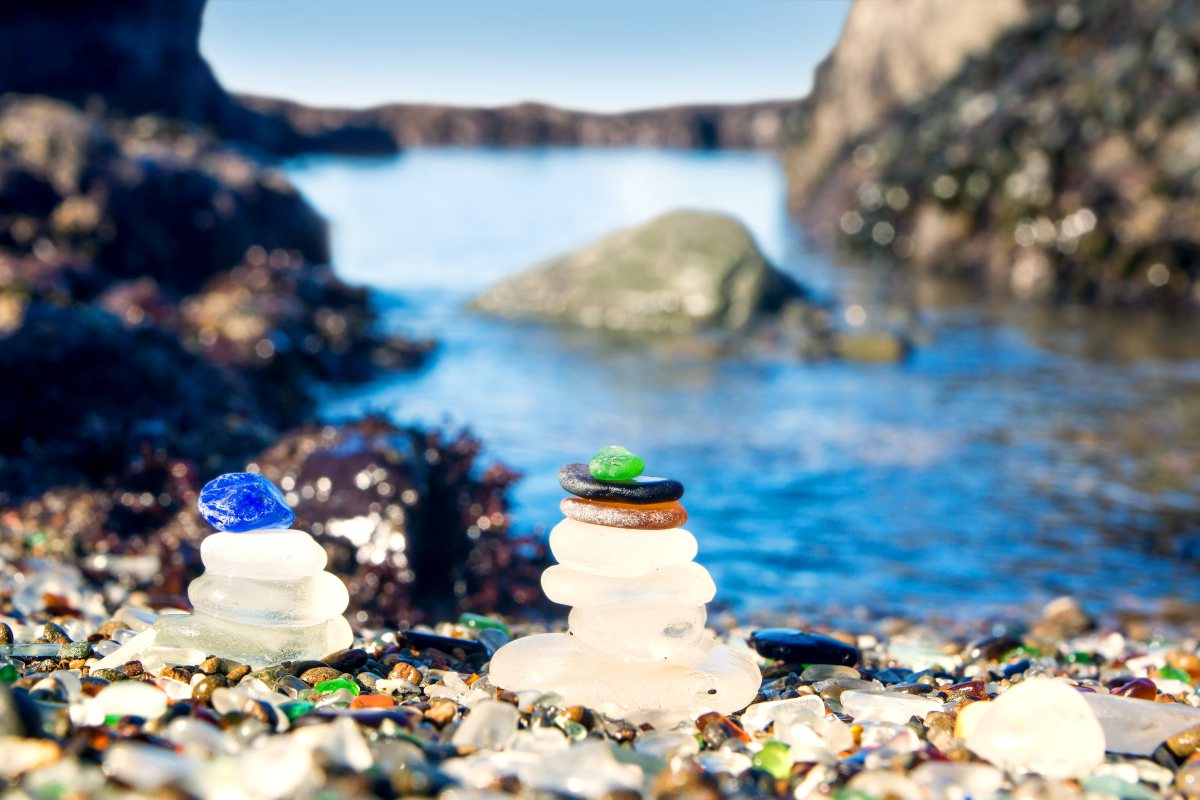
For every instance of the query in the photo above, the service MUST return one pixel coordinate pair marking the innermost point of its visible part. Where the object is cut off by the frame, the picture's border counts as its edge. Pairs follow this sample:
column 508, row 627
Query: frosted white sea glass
column 292, row 602
column 256, row 645
column 619, row 552
column 266, row 555
column 263, row 599
column 641, row 631
column 724, row 680
column 680, row 584
column 636, row 645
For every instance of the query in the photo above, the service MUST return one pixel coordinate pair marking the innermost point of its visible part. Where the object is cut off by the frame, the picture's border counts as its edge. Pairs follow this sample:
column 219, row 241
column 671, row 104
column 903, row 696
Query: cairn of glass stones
column 636, row 638
column 264, row 596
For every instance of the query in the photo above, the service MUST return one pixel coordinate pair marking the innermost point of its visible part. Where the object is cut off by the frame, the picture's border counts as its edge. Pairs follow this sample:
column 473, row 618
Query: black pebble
column 419, row 640
column 643, row 490
column 798, row 647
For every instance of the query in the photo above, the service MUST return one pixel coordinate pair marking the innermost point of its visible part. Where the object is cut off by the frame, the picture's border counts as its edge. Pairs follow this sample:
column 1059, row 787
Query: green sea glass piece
column 331, row 686
column 615, row 463
column 1171, row 673
column 774, row 759
column 9, row 674
column 478, row 622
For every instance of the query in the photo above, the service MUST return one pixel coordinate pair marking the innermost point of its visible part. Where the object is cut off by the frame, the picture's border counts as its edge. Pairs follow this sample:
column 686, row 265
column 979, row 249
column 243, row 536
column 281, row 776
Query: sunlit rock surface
column 679, row 272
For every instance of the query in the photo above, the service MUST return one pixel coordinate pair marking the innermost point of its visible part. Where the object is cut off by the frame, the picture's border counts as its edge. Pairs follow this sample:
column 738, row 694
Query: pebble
column 74, row 651
column 333, row 685
column 884, row 706
column 1139, row 688
column 478, row 622
column 679, row 584
column 775, row 759
column 372, row 701
column 619, row 552
column 1186, row 743
column 615, row 463
column 490, row 724
column 1040, row 725
column 347, row 660
column 824, row 672
column 406, row 672
column 133, row 699
column 653, row 516
column 577, row 479
column 1136, row 727
column 798, row 647
column 274, row 555
column 422, row 640
column 6, row 634
column 760, row 716
column 239, row 502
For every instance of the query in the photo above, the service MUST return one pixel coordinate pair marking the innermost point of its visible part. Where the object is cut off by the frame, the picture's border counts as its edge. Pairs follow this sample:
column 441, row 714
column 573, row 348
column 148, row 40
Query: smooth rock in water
column 724, row 681
column 652, row 516
column 681, row 271
column 798, row 647
column 679, row 584
column 884, row 706
column 295, row 602
column 1040, row 725
column 1138, row 727
column 266, row 555
column 491, row 724
column 577, row 479
column 256, row 645
column 133, row 699
column 619, row 552
column 646, row 631
column 615, row 463
column 244, row 501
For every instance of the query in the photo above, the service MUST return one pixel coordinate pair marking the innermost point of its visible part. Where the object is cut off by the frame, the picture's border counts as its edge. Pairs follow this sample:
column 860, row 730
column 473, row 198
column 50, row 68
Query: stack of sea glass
column 637, row 637
column 264, row 596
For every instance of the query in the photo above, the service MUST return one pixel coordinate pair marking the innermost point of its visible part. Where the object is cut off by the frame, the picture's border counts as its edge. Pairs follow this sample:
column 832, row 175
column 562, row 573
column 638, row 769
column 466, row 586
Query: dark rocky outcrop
column 1060, row 164
column 751, row 126
column 143, row 56
column 888, row 56
column 164, row 313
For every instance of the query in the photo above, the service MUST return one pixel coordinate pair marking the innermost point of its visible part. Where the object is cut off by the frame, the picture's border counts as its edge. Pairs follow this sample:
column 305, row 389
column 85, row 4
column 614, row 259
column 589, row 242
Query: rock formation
column 750, row 126
column 889, row 55
column 1059, row 164
column 679, row 272
column 143, row 56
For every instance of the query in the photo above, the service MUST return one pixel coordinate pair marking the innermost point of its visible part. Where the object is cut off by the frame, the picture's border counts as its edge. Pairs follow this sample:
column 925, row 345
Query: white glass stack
column 636, row 638
column 264, row 598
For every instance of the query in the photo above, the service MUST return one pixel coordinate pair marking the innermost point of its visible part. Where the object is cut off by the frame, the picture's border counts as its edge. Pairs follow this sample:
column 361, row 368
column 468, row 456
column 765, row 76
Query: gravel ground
column 946, row 710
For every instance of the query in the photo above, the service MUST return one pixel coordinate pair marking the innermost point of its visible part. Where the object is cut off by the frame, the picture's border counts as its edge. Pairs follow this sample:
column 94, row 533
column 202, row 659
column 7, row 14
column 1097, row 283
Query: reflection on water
column 1016, row 456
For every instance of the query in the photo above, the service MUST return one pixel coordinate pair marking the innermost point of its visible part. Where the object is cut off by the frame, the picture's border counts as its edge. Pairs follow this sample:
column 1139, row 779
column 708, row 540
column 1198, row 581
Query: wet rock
column 315, row 675
column 407, row 520
column 347, row 660
column 798, row 647
column 678, row 272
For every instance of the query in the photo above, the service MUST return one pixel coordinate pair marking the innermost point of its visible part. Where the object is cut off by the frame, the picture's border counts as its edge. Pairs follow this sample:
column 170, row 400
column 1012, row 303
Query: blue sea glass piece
column 244, row 501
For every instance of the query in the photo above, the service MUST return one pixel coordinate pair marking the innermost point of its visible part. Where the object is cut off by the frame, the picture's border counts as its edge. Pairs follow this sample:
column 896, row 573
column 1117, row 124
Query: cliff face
column 143, row 56
column 753, row 126
column 889, row 54
column 1061, row 164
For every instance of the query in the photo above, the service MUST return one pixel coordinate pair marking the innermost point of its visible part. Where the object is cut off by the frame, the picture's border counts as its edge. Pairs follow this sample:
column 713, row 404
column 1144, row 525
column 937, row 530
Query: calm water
column 1013, row 458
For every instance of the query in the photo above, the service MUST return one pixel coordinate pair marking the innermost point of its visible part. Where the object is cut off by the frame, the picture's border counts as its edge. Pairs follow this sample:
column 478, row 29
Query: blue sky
column 606, row 56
